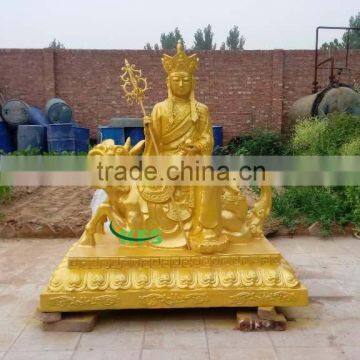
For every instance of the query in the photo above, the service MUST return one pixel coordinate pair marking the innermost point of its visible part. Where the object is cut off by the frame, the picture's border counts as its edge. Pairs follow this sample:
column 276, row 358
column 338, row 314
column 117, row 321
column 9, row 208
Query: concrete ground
column 327, row 329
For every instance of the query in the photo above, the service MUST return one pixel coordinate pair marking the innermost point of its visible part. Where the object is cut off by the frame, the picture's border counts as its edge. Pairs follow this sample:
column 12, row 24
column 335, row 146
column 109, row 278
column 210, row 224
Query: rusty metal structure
column 333, row 78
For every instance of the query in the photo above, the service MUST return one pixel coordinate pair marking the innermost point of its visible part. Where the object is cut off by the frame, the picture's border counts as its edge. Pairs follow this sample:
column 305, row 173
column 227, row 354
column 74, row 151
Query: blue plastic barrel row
column 53, row 138
column 31, row 136
column 65, row 137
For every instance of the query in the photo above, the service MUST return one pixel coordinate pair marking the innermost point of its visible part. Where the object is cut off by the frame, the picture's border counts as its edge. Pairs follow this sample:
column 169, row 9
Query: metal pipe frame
column 332, row 77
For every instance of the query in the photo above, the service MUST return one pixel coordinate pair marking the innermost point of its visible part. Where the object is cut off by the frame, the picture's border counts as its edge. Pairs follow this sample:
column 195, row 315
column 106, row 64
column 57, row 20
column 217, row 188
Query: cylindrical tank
column 37, row 117
column 218, row 135
column 341, row 99
column 81, row 136
column 117, row 134
column 327, row 101
column 60, row 137
column 6, row 143
column 58, row 111
column 16, row 112
column 31, row 136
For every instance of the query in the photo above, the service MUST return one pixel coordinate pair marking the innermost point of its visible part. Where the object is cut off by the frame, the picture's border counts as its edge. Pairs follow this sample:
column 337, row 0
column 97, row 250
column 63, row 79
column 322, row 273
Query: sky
column 130, row 24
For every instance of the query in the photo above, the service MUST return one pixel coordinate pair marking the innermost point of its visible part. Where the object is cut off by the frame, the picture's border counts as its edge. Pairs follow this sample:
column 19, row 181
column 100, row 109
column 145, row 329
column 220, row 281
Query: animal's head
column 108, row 147
column 106, row 155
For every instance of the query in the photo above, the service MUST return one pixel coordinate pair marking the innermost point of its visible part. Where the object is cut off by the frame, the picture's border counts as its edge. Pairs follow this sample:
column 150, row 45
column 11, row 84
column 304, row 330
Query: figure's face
column 181, row 84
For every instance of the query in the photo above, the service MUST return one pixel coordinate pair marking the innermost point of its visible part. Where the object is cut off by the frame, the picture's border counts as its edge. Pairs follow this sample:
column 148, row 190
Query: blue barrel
column 60, row 137
column 58, row 111
column 16, row 112
column 31, row 136
column 133, row 128
column 6, row 144
column 218, row 135
column 37, row 117
column 81, row 136
column 136, row 134
column 117, row 134
column 74, row 123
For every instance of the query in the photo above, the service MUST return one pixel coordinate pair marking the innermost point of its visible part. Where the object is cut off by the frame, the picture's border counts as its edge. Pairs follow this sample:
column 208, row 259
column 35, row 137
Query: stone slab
column 266, row 313
column 48, row 317
column 72, row 322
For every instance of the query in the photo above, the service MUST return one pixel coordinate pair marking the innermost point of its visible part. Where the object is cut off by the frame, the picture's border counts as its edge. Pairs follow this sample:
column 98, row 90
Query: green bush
column 30, row 151
column 258, row 143
column 308, row 137
column 5, row 193
column 351, row 148
column 307, row 205
column 316, row 136
column 352, row 196
column 338, row 135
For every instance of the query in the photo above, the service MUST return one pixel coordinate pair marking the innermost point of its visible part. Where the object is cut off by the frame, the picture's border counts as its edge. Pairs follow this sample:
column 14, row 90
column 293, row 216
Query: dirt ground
column 60, row 212
column 46, row 212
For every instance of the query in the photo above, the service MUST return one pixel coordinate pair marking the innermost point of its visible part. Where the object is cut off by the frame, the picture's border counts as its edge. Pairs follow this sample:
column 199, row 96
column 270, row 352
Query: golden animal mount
column 209, row 249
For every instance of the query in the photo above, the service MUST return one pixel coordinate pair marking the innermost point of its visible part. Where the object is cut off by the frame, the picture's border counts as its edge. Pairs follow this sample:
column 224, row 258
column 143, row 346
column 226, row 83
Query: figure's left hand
column 191, row 149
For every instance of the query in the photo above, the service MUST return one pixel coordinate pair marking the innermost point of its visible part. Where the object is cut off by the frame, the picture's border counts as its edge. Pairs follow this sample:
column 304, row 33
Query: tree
column 148, row 46
column 56, row 44
column 223, row 46
column 203, row 39
column 235, row 41
column 335, row 44
column 168, row 41
column 151, row 48
column 354, row 37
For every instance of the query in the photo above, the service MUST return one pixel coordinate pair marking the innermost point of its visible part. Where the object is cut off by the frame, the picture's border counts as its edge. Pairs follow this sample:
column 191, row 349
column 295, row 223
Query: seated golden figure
column 204, row 218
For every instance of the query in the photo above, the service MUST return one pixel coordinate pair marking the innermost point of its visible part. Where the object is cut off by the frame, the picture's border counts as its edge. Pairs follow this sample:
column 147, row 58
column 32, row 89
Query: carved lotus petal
column 96, row 281
column 290, row 279
column 142, row 279
column 165, row 278
column 75, row 280
column 230, row 276
column 250, row 278
column 186, row 279
column 270, row 277
column 120, row 279
column 55, row 283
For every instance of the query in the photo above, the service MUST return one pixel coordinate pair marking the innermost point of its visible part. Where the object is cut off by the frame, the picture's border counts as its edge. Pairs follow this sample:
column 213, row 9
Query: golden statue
column 180, row 125
column 212, row 250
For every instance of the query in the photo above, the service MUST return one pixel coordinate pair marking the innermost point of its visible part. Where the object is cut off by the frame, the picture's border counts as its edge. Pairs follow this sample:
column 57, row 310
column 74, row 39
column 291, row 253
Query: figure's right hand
column 147, row 120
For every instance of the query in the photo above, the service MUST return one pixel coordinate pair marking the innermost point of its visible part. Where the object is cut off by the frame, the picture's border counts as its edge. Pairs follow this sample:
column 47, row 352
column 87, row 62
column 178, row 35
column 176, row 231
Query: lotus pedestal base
column 111, row 276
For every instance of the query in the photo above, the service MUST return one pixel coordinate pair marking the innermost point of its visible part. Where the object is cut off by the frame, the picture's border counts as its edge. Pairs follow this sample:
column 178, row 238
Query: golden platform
column 111, row 276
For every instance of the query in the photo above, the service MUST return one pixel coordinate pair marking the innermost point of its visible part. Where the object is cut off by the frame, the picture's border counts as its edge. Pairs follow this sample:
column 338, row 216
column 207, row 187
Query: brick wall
column 243, row 90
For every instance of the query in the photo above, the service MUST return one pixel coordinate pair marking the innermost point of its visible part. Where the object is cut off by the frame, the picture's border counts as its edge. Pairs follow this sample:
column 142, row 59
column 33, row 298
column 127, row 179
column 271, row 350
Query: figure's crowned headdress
column 180, row 61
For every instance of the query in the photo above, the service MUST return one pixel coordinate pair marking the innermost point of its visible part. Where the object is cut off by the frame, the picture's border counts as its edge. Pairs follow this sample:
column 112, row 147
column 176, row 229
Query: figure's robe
column 196, row 205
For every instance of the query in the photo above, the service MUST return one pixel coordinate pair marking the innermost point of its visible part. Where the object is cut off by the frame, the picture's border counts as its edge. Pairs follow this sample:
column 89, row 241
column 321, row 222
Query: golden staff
column 135, row 86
